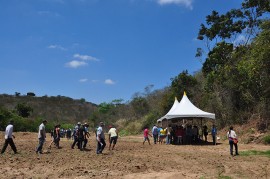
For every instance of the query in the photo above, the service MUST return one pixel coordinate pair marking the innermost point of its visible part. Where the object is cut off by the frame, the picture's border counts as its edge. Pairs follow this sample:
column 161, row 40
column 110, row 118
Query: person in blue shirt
column 155, row 134
column 214, row 134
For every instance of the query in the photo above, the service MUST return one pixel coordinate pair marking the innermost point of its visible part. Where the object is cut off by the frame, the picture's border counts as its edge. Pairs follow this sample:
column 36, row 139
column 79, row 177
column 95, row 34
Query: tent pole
column 201, row 128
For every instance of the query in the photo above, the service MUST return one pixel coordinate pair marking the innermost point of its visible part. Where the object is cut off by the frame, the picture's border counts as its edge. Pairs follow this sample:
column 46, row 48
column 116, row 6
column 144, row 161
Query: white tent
column 170, row 111
column 185, row 109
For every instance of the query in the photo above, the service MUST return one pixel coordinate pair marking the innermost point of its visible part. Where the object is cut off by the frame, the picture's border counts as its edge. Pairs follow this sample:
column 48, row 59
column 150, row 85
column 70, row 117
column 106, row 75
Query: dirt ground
column 130, row 160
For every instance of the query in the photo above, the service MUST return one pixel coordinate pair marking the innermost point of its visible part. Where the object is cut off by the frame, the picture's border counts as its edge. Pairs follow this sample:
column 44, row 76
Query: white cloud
column 75, row 64
column 85, row 57
column 81, row 60
column 109, row 82
column 56, row 47
column 83, row 80
column 186, row 3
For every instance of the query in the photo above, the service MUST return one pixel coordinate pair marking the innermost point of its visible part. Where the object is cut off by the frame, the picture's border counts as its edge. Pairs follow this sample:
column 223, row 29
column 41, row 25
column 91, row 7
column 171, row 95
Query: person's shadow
column 87, row 150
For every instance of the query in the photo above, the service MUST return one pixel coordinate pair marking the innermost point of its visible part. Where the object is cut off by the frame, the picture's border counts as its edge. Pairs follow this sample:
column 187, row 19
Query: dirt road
column 131, row 160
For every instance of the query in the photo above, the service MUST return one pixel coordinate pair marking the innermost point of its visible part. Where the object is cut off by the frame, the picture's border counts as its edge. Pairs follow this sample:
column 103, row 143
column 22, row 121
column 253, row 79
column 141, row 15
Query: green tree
column 31, row 94
column 82, row 100
column 117, row 102
column 5, row 117
column 182, row 82
column 244, row 20
column 24, row 110
column 140, row 106
column 104, row 107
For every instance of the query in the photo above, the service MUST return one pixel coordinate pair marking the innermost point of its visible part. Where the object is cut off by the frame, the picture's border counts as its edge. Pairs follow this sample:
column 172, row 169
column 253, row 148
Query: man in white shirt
column 100, row 138
column 41, row 136
column 8, row 138
column 232, row 141
column 113, row 135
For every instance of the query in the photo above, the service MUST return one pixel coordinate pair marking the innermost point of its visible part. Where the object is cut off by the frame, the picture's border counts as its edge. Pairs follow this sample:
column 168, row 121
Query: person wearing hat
column 41, row 136
column 8, row 138
column 100, row 138
column 86, row 135
column 76, row 135
column 113, row 135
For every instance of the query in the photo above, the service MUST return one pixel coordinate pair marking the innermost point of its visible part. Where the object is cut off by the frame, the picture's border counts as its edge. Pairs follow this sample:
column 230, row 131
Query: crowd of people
column 187, row 134
column 180, row 134
column 80, row 136
column 173, row 134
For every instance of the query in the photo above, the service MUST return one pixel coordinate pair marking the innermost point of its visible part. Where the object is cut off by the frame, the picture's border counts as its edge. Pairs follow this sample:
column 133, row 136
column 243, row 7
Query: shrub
column 251, row 131
column 134, row 127
column 266, row 139
column 67, row 126
column 149, row 120
column 124, row 133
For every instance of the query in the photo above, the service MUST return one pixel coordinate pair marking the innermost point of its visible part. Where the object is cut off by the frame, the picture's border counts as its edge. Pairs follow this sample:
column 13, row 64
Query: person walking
column 232, row 141
column 8, row 138
column 41, row 136
column 113, row 136
column 56, row 136
column 155, row 134
column 86, row 135
column 81, row 137
column 76, row 136
column 145, row 135
column 214, row 134
column 101, row 144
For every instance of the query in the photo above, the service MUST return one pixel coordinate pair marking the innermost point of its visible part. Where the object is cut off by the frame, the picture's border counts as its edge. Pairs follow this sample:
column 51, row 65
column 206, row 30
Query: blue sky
column 99, row 50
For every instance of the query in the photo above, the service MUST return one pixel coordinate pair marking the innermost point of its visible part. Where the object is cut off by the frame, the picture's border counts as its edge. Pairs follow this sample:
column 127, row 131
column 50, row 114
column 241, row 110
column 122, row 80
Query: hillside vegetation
column 32, row 109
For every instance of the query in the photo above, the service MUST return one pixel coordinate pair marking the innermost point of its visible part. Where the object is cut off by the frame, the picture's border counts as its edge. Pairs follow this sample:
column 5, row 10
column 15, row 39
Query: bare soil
column 131, row 160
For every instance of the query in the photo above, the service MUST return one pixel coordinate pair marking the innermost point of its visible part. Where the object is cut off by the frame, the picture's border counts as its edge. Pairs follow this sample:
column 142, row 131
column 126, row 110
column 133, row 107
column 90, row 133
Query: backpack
column 81, row 132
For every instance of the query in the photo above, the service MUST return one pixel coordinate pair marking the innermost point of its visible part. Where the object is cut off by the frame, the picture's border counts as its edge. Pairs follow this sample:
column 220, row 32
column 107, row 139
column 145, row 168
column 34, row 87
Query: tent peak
column 185, row 93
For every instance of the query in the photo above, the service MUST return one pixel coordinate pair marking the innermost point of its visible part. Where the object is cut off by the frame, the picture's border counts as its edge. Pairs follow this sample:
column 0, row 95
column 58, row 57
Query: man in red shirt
column 145, row 135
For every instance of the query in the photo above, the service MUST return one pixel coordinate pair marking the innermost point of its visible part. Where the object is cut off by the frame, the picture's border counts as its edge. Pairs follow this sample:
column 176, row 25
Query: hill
column 59, row 108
